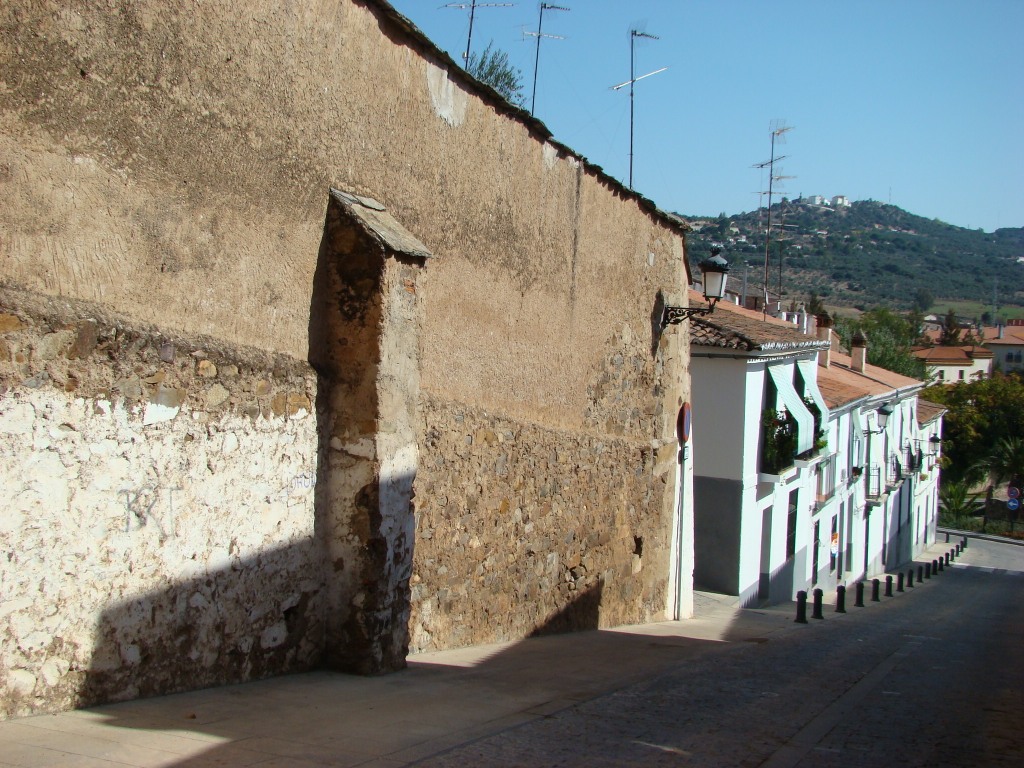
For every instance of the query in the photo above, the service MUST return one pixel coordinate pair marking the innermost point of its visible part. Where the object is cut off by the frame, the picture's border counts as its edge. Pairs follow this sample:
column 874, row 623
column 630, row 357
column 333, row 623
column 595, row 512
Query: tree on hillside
column 923, row 299
column 493, row 68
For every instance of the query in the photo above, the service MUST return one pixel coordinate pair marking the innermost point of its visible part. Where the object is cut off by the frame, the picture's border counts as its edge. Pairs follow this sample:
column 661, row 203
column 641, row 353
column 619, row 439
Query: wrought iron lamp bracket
column 676, row 315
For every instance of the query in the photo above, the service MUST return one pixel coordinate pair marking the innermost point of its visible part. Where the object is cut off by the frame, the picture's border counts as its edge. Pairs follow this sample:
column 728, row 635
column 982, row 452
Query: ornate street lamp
column 715, row 272
column 883, row 415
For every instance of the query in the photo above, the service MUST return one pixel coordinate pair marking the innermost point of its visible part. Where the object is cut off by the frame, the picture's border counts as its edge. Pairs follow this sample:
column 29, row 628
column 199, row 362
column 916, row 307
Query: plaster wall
column 147, row 148
column 728, row 396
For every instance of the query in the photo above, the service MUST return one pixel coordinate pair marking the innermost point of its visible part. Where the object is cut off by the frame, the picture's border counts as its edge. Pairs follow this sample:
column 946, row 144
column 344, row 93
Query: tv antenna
column 778, row 130
column 539, row 34
column 472, row 6
column 633, row 35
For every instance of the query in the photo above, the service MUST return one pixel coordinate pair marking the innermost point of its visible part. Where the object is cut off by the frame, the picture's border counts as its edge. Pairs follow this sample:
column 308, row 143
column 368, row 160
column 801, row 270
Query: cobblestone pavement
column 933, row 676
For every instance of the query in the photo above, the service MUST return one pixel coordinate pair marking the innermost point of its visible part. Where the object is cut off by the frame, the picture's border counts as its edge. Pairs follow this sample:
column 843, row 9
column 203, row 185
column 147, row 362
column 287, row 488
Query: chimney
column 859, row 351
column 999, row 335
column 824, row 333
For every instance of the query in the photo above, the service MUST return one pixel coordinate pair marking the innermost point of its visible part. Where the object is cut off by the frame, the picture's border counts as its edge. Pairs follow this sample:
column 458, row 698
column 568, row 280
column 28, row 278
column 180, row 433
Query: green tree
column 493, row 68
column 923, row 299
column 890, row 338
column 950, row 334
column 815, row 306
column 980, row 414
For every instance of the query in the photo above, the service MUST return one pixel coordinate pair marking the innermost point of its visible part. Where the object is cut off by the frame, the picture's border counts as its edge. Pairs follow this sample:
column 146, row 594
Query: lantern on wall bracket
column 883, row 415
column 714, row 271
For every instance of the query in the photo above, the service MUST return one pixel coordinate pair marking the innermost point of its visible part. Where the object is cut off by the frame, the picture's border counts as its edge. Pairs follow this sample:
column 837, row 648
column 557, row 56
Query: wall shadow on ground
column 443, row 700
column 334, row 713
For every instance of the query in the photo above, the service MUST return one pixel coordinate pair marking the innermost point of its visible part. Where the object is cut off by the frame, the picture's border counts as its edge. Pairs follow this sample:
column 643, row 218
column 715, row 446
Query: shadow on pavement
column 442, row 700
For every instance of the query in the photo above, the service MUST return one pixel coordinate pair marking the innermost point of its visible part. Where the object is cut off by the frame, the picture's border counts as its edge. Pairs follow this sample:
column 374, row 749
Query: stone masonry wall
column 157, row 530
column 524, row 529
column 550, row 531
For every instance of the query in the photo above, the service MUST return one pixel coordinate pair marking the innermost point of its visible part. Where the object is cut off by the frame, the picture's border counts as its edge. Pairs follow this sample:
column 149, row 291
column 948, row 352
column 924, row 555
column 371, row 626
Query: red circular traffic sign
column 683, row 423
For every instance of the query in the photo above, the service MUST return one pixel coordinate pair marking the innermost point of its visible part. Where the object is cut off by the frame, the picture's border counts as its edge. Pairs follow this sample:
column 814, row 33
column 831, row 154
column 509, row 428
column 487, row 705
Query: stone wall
column 168, row 167
column 157, row 530
column 522, row 530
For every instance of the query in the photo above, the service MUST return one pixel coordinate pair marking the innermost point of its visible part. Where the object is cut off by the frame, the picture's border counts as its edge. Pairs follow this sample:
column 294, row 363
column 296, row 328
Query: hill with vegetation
column 865, row 254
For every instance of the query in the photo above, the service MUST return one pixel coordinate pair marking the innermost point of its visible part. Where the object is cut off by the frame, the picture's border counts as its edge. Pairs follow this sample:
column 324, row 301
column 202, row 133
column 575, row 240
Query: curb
column 904, row 581
column 981, row 536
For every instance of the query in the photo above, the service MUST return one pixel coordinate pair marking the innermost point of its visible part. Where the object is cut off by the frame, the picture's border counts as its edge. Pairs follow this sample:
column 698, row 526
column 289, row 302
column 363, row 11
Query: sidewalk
column 443, row 700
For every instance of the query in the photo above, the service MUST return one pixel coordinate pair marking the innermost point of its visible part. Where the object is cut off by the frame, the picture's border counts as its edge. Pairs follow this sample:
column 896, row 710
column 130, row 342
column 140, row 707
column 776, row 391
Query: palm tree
column 1005, row 462
column 957, row 503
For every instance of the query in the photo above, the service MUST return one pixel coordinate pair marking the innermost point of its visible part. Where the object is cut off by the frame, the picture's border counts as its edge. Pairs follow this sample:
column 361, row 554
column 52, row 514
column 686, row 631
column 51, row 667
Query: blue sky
column 915, row 102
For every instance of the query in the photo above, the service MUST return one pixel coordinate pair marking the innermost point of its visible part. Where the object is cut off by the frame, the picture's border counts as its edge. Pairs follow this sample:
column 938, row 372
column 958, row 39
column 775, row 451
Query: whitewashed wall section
column 123, row 527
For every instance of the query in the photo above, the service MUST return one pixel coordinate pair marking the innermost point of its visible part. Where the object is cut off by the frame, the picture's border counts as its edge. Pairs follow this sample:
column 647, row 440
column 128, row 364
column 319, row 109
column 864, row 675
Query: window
column 791, row 524
column 961, row 375
column 817, row 548
column 942, row 375
column 833, row 545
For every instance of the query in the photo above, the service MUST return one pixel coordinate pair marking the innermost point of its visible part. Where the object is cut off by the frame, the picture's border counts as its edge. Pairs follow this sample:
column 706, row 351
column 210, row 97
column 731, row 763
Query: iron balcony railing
column 874, row 485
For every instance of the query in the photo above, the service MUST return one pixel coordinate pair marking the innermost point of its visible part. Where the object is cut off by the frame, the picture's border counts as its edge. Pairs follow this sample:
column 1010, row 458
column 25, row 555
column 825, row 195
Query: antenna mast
column 633, row 35
column 539, row 34
column 473, row 5
column 778, row 129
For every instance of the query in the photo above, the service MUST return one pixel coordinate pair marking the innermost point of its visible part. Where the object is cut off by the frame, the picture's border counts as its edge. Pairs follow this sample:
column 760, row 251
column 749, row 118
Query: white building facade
column 796, row 484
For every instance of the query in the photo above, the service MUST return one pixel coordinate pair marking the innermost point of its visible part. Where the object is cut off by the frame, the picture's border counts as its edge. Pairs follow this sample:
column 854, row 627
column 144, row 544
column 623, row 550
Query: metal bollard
column 874, row 590
column 947, row 558
column 947, row 537
column 899, row 581
column 816, row 612
column 840, row 599
column 859, row 599
column 935, row 567
column 910, row 578
column 801, row 607
column 941, row 566
column 958, row 550
column 888, row 586
column 965, row 542
column 926, row 570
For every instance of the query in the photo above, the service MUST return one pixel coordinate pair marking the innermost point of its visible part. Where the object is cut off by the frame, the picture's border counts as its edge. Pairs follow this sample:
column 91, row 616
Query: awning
column 794, row 405
column 809, row 372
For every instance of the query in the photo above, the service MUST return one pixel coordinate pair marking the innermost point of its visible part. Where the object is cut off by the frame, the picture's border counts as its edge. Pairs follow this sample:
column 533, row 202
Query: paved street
column 934, row 676
column 930, row 676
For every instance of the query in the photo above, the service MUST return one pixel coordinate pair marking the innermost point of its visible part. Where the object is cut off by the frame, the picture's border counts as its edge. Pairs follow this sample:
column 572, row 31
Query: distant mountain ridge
column 865, row 254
